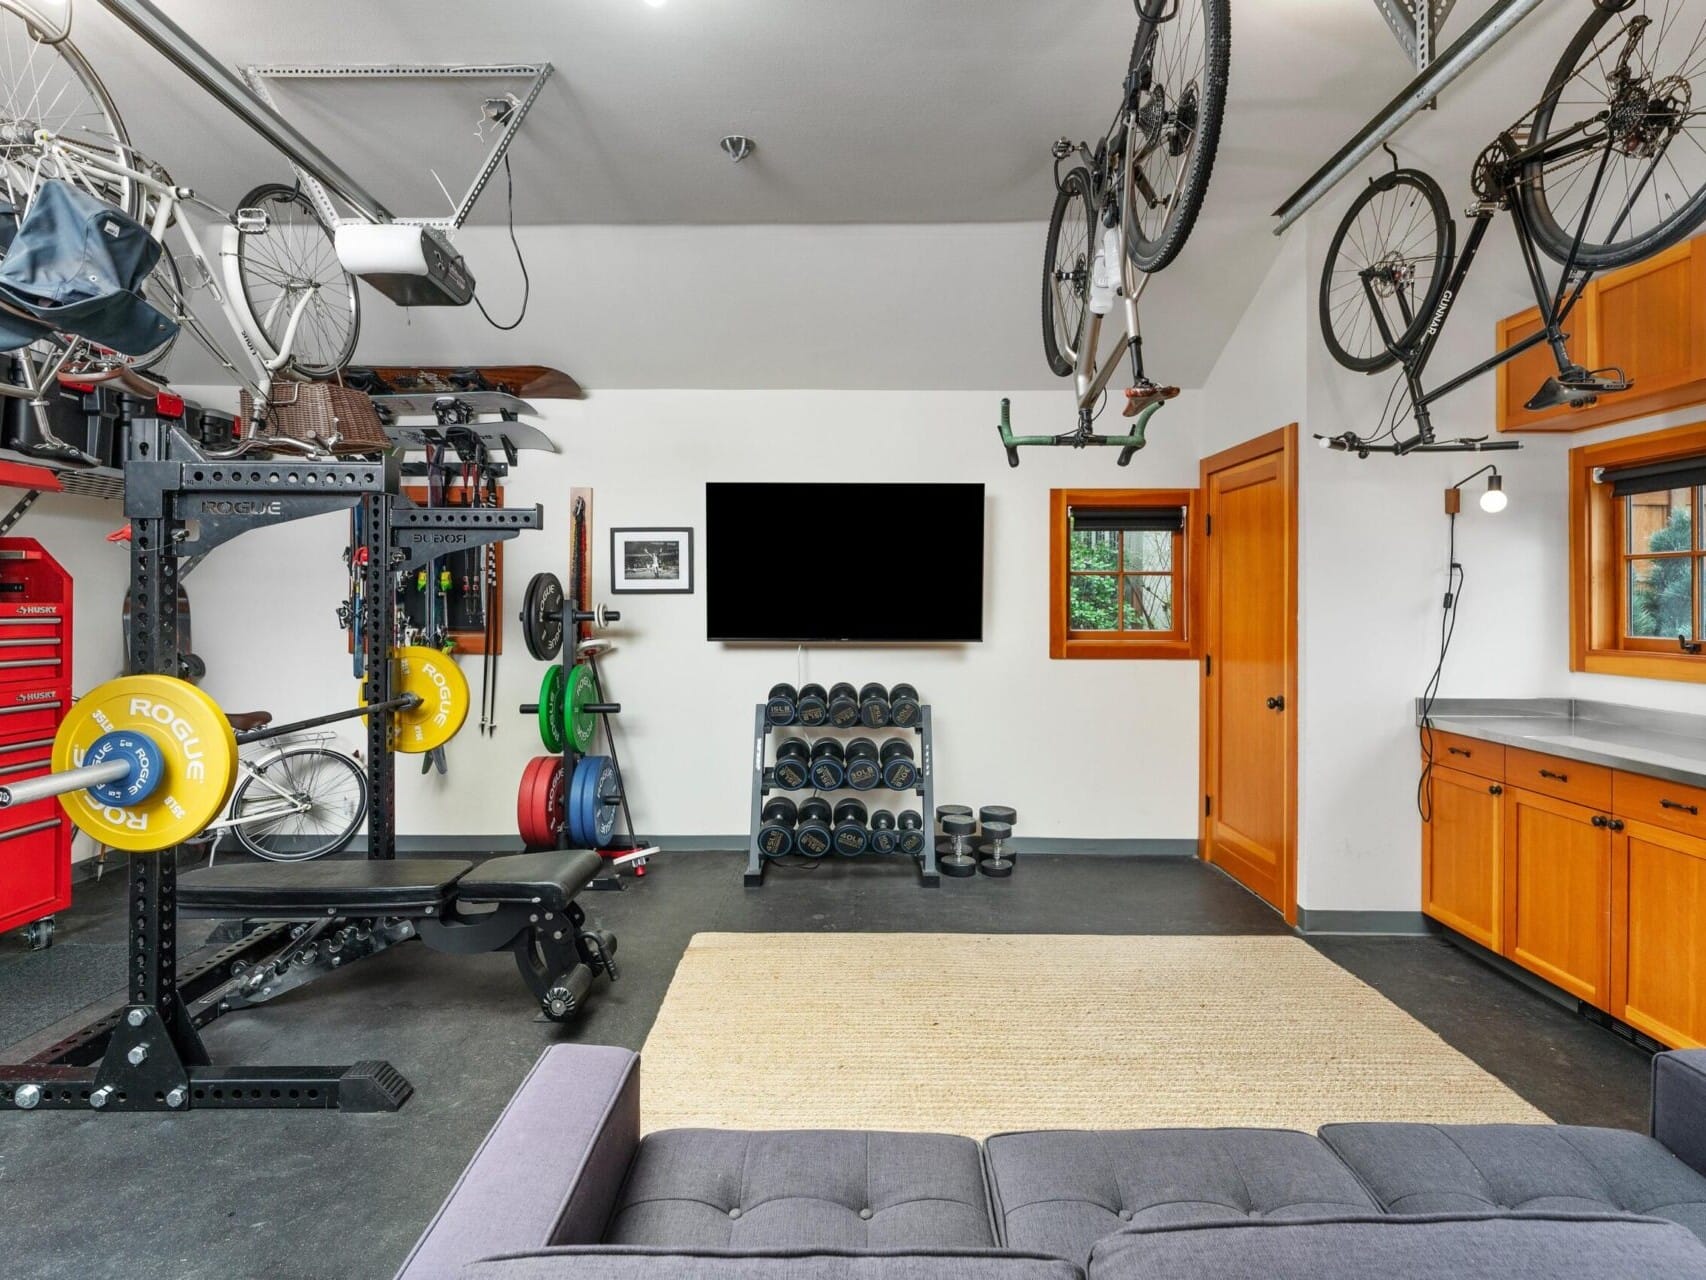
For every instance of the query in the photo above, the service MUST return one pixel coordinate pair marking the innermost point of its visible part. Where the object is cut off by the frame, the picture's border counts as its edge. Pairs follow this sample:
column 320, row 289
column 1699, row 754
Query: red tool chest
column 35, row 691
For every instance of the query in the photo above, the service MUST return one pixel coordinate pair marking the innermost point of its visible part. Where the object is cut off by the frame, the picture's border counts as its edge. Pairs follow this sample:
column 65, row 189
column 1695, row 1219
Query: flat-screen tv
column 860, row 563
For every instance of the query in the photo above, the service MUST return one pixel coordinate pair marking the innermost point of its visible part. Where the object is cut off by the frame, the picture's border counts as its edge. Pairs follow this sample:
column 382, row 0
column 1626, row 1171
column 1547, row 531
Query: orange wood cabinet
column 1462, row 856
column 1648, row 318
column 1658, row 953
column 1558, row 893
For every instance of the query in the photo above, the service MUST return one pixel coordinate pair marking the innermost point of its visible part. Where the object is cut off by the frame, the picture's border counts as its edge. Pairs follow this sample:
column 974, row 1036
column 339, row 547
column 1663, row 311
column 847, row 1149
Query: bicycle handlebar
column 1350, row 442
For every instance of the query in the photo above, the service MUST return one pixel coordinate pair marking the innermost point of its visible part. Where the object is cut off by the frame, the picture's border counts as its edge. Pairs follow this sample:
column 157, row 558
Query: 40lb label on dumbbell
column 178, row 731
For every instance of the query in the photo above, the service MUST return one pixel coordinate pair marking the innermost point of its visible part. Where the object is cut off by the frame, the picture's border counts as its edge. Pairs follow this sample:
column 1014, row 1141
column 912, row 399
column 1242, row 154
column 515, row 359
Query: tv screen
column 871, row 563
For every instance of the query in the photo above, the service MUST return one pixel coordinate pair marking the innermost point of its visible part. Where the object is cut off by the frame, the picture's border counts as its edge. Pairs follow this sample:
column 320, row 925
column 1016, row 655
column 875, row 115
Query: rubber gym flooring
column 312, row 1196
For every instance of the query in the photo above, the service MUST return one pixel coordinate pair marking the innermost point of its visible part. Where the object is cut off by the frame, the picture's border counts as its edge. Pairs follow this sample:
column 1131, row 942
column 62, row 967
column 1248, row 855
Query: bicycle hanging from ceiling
column 1123, row 210
column 1608, row 168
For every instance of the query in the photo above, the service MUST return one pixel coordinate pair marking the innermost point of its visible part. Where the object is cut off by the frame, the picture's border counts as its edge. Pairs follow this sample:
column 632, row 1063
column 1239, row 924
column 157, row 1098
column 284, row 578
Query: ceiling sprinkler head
column 737, row 146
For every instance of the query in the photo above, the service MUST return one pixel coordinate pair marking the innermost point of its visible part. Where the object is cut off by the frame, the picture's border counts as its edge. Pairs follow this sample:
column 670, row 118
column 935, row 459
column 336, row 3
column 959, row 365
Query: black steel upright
column 377, row 641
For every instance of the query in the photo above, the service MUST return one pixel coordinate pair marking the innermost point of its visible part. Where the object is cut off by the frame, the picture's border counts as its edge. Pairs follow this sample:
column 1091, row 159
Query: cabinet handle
column 1692, row 810
column 1600, row 820
column 1616, row 824
column 1495, row 790
column 1276, row 704
column 1556, row 777
column 1458, row 751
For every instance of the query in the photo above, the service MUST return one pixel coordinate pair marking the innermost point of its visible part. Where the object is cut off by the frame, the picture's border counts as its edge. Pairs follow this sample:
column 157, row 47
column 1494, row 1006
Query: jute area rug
column 975, row 1034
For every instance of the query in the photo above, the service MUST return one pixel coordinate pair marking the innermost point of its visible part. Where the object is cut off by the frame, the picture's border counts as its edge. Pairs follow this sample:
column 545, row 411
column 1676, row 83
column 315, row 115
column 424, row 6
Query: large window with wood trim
column 1119, row 568
column 1638, row 555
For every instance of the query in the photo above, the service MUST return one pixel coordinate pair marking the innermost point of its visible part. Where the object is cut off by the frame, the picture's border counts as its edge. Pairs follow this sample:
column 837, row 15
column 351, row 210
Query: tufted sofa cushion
column 1059, row 1192
column 1422, row 1168
column 819, row 1189
column 619, row 1262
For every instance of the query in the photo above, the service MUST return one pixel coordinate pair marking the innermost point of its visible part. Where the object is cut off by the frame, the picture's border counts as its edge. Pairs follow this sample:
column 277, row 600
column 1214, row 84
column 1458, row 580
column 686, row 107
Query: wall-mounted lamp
column 1493, row 500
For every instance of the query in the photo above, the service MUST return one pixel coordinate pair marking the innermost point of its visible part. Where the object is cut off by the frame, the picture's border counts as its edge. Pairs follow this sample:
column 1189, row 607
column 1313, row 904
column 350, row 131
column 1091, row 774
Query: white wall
column 1081, row 749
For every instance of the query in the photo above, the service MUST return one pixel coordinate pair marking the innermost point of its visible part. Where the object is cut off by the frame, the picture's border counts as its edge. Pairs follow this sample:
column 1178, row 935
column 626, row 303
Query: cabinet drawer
column 1573, row 780
column 1470, row 755
column 1675, row 805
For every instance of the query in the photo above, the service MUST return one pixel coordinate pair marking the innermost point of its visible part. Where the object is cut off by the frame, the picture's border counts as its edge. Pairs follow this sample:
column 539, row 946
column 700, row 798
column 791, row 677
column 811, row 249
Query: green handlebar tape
column 1129, row 443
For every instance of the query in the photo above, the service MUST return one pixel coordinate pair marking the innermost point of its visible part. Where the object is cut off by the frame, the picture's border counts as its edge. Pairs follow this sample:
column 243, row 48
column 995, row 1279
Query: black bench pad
column 549, row 880
column 304, row 890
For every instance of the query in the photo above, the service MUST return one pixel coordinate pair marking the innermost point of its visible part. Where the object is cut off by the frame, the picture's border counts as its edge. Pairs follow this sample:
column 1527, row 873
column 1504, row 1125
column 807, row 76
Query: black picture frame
column 626, row 581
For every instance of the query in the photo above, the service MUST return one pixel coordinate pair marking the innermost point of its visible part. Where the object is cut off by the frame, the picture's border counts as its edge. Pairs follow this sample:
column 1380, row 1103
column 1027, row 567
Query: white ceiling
column 923, row 114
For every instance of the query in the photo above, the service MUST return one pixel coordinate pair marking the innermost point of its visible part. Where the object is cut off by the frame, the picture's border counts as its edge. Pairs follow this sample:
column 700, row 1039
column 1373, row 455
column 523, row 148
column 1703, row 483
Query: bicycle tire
column 324, row 321
column 1152, row 254
column 1555, row 239
column 1338, row 313
column 164, row 288
column 1061, row 358
column 246, row 835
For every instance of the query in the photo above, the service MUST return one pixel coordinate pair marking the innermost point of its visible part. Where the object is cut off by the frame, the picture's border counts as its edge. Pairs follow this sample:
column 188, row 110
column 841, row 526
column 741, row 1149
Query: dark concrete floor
column 307, row 1196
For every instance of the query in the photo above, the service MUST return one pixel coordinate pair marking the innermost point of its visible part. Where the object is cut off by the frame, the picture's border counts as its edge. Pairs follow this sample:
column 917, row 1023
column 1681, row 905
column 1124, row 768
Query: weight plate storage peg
column 843, row 705
column 542, row 616
column 793, row 764
column 850, row 836
column 776, row 827
column 900, row 771
column 433, row 678
column 864, row 769
column 779, row 707
column 829, row 765
column 903, row 706
column 873, row 706
column 911, row 824
column 813, row 837
column 884, row 837
column 551, row 704
column 540, row 803
column 812, row 706
column 189, row 745
column 953, row 855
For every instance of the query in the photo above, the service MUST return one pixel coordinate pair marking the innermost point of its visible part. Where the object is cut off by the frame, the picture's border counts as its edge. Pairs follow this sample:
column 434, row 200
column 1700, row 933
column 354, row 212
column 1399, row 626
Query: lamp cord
column 1454, row 578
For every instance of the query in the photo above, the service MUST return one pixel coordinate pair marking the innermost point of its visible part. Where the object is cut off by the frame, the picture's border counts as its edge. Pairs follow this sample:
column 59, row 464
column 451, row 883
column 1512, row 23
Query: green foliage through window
column 1109, row 569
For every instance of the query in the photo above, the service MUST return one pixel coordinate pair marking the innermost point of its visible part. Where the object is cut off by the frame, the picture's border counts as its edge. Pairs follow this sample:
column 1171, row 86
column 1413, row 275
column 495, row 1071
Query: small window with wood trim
column 1638, row 555
column 1118, row 573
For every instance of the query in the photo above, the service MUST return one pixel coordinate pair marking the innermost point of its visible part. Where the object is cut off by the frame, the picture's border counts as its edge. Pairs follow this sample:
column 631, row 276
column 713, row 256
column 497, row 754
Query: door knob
column 1276, row 704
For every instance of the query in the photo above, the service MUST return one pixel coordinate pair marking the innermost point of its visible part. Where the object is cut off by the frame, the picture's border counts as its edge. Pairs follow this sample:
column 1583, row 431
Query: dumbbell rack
column 764, row 782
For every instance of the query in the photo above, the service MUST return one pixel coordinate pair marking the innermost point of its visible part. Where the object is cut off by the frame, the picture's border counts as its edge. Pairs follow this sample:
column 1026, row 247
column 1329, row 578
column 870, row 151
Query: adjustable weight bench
column 325, row 915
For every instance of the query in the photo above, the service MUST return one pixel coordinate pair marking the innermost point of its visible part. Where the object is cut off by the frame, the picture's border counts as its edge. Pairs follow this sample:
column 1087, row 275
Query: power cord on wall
column 1447, row 628
column 521, row 261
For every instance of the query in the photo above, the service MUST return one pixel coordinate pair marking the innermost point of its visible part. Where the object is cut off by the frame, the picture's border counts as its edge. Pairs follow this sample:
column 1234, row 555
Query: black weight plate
column 542, row 616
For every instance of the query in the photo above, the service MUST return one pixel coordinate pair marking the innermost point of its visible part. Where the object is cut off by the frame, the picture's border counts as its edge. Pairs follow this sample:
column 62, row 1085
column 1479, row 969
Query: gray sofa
column 564, row 1188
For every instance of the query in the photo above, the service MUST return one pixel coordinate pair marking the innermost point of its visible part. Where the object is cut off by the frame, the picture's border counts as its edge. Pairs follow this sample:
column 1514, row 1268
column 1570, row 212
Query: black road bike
column 1607, row 169
column 1125, row 207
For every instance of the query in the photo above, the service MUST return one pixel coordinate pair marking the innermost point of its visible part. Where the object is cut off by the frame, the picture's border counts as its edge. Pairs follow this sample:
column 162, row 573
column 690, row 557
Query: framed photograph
column 651, row 562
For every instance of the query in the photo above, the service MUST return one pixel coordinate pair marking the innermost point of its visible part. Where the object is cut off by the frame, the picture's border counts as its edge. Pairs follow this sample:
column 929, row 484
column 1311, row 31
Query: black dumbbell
column 843, row 705
column 900, row 770
column 864, row 765
column 779, row 707
column 812, row 706
column 873, row 706
column 793, row 764
column 812, row 836
column 884, row 837
column 912, row 837
column 954, row 855
column 994, row 857
column 829, row 764
column 850, row 835
column 776, row 828
column 903, row 705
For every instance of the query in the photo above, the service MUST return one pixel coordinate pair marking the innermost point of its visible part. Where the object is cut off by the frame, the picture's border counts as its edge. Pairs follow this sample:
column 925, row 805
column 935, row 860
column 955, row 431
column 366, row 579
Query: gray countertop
column 1662, row 744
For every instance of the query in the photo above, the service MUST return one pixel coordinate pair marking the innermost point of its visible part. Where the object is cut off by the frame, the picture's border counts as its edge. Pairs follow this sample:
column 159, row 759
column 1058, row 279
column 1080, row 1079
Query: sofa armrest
column 1679, row 1104
column 549, row 1171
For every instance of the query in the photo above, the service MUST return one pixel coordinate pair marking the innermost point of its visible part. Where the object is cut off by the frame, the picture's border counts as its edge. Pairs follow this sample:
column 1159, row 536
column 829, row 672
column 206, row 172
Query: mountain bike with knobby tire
column 1124, row 208
column 1608, row 168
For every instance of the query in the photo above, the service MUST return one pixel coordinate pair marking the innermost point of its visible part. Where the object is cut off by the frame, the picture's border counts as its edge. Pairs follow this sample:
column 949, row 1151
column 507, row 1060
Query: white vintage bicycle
column 295, row 799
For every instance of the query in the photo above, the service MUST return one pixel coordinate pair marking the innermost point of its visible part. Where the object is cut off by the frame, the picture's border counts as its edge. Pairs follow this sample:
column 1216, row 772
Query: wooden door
column 1658, row 951
column 1249, row 731
column 1463, row 856
column 1558, row 893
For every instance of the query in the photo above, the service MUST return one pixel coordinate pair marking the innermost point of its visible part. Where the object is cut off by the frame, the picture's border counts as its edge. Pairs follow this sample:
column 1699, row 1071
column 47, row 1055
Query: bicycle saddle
column 244, row 721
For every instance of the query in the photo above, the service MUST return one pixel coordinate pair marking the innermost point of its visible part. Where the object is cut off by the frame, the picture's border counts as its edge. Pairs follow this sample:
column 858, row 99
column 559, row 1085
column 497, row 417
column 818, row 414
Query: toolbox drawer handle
column 1459, row 751
column 31, row 706
column 30, row 830
column 1692, row 810
column 27, row 764
column 31, row 744
column 1556, row 777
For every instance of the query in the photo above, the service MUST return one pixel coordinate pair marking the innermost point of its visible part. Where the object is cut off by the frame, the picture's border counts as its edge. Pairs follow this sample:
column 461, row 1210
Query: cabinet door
column 1658, row 958
column 1558, row 893
column 1462, row 863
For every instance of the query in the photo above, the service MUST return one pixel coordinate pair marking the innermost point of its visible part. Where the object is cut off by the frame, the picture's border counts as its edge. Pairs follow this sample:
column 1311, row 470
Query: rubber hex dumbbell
column 793, row 764
column 812, row 837
column 779, row 707
column 812, row 706
column 911, row 839
column 903, row 705
column 900, row 770
column 778, row 819
column 994, row 857
column 843, row 705
column 851, row 836
column 864, row 765
column 829, row 764
column 953, row 855
column 873, row 706
column 885, row 838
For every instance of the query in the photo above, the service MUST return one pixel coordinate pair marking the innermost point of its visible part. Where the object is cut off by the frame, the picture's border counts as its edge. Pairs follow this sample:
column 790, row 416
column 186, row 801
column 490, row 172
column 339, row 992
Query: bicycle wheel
column 52, row 87
column 1398, row 236
column 331, row 785
column 1620, row 108
column 1178, row 129
column 164, row 288
column 293, row 256
column 1066, row 271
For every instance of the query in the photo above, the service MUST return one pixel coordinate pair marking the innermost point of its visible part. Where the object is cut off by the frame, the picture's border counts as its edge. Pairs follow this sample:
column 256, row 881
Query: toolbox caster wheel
column 38, row 934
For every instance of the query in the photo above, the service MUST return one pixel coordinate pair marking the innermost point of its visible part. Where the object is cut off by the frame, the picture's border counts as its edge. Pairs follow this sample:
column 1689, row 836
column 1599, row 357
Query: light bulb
column 1494, row 499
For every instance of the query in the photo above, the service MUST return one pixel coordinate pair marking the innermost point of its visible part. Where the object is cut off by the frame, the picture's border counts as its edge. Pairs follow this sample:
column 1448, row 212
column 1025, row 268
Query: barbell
column 146, row 762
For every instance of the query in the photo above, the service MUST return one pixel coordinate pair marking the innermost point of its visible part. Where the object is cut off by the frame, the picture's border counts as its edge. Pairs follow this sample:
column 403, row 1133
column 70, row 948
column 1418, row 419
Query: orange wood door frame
column 1278, row 887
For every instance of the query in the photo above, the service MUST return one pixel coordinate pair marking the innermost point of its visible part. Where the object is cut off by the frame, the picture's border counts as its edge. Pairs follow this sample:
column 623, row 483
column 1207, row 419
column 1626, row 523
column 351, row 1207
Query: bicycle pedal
column 1137, row 397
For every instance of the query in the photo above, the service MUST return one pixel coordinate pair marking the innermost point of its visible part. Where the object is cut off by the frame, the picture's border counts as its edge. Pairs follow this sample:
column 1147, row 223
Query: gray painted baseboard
column 1401, row 923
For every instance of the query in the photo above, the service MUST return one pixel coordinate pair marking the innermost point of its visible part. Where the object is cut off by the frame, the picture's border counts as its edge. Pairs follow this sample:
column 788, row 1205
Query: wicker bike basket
column 337, row 418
